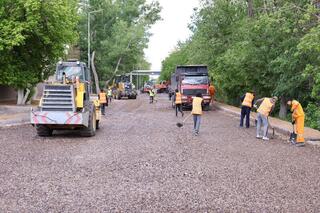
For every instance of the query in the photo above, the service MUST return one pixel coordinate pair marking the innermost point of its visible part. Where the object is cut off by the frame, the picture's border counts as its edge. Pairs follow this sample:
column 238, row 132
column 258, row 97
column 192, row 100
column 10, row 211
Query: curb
column 279, row 130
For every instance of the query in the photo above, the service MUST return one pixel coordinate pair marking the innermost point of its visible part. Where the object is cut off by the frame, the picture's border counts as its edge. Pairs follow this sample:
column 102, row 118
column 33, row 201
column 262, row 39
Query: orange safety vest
column 265, row 107
column 248, row 100
column 298, row 117
column 102, row 98
column 297, row 110
column 212, row 90
column 178, row 98
column 196, row 106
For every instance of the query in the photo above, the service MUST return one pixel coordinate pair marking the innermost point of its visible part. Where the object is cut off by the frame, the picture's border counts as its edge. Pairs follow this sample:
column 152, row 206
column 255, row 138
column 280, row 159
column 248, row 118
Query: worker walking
column 247, row 103
column 178, row 102
column 212, row 92
column 103, row 101
column 265, row 108
column 151, row 94
column 298, row 120
column 109, row 94
column 197, row 104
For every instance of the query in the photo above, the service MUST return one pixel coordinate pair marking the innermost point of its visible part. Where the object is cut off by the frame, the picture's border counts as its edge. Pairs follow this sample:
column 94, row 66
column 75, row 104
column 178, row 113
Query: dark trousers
column 109, row 98
column 179, row 108
column 103, row 109
column 245, row 112
column 151, row 99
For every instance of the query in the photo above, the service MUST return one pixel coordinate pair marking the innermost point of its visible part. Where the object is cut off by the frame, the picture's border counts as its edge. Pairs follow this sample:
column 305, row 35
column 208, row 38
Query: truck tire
column 135, row 97
column 91, row 129
column 43, row 130
column 206, row 107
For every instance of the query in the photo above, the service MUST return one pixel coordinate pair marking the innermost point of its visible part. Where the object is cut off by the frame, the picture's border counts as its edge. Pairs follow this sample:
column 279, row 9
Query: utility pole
column 89, row 36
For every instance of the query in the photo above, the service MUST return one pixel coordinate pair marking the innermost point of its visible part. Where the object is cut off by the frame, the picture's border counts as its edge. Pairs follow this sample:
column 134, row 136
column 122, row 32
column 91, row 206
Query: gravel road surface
column 139, row 161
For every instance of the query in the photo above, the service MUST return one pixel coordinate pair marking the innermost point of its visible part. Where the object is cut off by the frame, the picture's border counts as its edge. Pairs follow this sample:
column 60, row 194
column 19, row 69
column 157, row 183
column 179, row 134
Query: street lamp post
column 89, row 37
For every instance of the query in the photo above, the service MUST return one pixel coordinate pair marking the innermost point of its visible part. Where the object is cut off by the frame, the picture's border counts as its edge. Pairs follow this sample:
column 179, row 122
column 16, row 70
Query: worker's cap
column 275, row 98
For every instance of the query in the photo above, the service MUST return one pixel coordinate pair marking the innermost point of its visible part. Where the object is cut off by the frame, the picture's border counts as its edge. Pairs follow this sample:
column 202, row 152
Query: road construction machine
column 68, row 103
column 124, row 88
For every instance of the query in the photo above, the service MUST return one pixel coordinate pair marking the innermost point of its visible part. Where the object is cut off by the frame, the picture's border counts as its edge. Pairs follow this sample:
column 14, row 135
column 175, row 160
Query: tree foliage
column 274, row 50
column 119, row 34
column 33, row 35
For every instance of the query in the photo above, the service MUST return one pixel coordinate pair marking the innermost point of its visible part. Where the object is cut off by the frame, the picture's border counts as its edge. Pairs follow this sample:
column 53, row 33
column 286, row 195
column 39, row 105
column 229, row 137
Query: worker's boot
column 301, row 144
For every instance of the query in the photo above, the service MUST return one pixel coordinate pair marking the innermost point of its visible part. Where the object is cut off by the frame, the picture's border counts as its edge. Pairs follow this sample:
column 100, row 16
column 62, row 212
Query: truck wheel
column 91, row 129
column 206, row 107
column 135, row 97
column 43, row 130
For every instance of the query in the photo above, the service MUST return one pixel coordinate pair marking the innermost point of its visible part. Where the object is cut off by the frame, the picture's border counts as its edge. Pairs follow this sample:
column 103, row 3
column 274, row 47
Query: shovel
column 272, row 136
column 181, row 124
column 293, row 136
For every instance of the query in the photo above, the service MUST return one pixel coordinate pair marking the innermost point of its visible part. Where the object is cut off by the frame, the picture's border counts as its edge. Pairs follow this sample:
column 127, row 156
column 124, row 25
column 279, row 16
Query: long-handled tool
column 269, row 124
column 181, row 124
column 293, row 136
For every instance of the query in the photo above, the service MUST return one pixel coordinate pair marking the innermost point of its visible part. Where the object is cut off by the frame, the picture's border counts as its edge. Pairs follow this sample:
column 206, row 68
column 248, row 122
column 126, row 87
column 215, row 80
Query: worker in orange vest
column 246, row 105
column 178, row 102
column 298, row 120
column 197, row 104
column 103, row 101
column 212, row 92
column 265, row 108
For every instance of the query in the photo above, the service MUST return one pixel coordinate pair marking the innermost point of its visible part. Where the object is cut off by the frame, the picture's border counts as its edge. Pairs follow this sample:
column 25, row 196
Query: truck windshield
column 70, row 71
column 194, row 80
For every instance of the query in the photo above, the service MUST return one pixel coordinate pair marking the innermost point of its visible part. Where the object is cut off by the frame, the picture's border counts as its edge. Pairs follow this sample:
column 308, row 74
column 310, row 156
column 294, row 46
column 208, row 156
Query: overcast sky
column 176, row 15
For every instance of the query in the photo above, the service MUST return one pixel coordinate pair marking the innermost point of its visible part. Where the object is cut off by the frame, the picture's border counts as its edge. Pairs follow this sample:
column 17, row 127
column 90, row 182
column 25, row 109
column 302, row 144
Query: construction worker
column 298, row 120
column 178, row 102
column 265, row 108
column 103, row 101
column 246, row 105
column 151, row 94
column 212, row 92
column 197, row 104
column 109, row 94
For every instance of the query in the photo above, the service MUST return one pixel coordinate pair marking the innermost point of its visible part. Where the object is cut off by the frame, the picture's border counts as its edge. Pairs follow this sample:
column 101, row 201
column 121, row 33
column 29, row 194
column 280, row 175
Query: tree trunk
column 22, row 97
column 283, row 108
column 25, row 96
column 250, row 8
column 95, row 75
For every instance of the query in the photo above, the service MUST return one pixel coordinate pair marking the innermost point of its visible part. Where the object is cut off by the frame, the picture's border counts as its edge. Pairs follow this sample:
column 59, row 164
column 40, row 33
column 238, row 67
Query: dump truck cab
column 68, row 102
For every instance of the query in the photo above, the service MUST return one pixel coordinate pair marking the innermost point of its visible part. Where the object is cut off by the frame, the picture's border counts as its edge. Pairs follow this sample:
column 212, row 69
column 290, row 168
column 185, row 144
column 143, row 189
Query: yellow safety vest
column 109, row 92
column 196, row 106
column 102, row 98
column 297, row 110
column 151, row 93
column 248, row 100
column 178, row 98
column 265, row 107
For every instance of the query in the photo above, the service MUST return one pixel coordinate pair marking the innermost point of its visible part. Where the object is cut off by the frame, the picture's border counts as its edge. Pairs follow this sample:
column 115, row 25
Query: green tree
column 119, row 34
column 33, row 36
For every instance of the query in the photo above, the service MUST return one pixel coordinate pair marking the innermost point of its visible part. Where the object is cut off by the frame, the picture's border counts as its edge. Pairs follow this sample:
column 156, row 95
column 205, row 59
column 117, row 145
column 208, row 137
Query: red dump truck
column 191, row 80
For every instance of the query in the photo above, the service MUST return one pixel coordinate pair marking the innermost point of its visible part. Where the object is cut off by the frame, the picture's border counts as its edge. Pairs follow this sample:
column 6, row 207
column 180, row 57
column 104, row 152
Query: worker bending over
column 178, row 102
column 247, row 103
column 197, row 104
column 103, row 101
column 265, row 108
column 298, row 120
